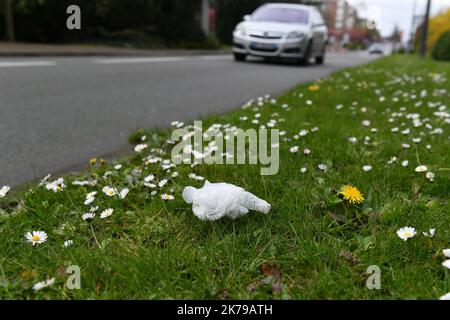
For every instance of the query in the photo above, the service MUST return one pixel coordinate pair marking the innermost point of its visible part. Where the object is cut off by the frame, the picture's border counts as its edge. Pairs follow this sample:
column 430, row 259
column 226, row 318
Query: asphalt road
column 56, row 113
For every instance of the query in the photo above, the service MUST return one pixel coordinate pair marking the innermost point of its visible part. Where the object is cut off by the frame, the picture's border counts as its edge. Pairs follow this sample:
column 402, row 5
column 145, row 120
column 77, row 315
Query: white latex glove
column 216, row 200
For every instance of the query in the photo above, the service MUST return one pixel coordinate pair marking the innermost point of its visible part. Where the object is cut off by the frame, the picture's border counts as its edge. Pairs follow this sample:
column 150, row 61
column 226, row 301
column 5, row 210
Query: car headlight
column 239, row 32
column 296, row 35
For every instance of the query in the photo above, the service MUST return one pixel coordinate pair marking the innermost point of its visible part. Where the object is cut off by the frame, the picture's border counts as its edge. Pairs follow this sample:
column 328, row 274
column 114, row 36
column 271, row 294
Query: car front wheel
column 307, row 55
column 239, row 56
column 321, row 59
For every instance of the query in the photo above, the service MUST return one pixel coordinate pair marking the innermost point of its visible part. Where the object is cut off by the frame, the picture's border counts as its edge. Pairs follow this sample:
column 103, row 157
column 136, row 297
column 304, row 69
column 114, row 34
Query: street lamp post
column 423, row 44
column 413, row 23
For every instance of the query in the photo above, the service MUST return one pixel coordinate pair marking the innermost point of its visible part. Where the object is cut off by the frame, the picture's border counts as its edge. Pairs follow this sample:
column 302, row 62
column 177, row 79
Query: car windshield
column 279, row 14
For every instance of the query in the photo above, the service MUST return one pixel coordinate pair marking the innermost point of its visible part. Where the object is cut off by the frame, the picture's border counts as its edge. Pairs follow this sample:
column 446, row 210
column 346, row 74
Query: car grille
column 265, row 36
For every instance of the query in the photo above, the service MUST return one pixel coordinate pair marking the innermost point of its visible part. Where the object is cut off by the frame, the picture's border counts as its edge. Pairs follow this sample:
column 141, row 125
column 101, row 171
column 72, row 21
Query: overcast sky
column 392, row 12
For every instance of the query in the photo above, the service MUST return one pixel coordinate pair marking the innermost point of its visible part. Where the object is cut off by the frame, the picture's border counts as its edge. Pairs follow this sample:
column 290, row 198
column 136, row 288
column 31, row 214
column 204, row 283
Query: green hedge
column 441, row 50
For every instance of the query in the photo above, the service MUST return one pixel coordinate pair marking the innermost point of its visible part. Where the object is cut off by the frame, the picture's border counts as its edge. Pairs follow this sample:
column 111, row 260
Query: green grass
column 310, row 246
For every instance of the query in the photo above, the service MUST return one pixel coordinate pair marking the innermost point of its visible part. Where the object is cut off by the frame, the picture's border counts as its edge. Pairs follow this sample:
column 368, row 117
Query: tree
column 9, row 20
column 437, row 26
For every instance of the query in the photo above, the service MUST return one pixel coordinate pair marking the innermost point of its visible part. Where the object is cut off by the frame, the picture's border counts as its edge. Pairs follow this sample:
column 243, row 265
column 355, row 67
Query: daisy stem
column 70, row 199
column 417, row 156
column 95, row 238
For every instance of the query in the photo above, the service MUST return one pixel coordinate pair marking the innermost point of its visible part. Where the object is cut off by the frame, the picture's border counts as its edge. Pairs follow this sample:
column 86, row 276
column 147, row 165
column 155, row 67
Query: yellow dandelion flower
column 314, row 87
column 351, row 194
column 93, row 161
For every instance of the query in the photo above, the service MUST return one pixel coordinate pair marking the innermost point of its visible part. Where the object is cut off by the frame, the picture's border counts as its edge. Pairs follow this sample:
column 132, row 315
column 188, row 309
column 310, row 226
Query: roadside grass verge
column 312, row 245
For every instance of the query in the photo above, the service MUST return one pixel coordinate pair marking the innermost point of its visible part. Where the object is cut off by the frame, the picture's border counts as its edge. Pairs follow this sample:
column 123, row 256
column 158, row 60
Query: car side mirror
column 247, row 17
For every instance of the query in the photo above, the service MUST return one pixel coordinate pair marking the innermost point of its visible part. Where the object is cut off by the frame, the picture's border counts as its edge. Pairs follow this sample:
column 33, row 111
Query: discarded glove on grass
column 216, row 200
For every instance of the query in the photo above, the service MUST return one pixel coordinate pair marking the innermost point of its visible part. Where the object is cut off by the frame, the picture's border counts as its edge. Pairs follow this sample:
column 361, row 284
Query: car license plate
column 259, row 45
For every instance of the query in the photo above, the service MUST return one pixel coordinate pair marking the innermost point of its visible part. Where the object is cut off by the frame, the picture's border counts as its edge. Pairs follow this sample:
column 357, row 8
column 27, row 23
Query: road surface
column 56, row 113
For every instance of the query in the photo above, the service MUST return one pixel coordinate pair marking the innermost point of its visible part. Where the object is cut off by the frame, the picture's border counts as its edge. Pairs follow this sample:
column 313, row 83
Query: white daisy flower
column 107, row 174
column 392, row 160
column 162, row 183
column 109, row 191
column 43, row 284
column 430, row 176
column 353, row 140
column 293, row 149
column 306, row 152
column 123, row 193
column 149, row 178
column 140, row 147
column 322, row 167
column 118, row 166
column 166, row 196
column 106, row 213
column 406, row 233
column 88, row 216
column 421, row 169
column 446, row 252
column 445, row 297
column 429, row 234
column 56, row 186
column 406, row 131
column 366, row 123
column 405, row 163
column 36, row 237
column 446, row 263
column 91, row 194
column 4, row 190
column 90, row 197
column 44, row 180
column 196, row 177
column 88, row 201
column 303, row 133
column 303, row 170
column 149, row 185
column 367, row 168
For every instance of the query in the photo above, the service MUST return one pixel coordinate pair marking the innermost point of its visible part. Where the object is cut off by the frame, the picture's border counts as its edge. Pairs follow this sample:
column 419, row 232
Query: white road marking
column 215, row 57
column 139, row 60
column 10, row 64
column 36, row 63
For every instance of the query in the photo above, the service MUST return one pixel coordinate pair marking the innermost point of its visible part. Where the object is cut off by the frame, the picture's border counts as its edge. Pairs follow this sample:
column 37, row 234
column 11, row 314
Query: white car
column 282, row 30
column 376, row 48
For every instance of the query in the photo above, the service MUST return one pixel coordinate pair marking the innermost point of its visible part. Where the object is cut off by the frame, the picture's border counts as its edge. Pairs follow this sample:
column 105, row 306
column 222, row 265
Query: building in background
column 346, row 28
